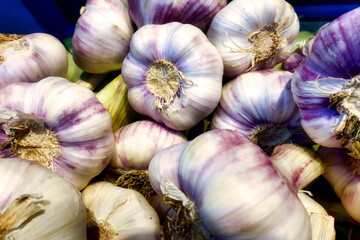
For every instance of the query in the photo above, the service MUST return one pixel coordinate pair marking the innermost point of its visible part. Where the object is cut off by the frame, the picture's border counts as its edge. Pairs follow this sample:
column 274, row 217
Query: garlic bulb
column 102, row 36
column 341, row 171
column 173, row 73
column 35, row 203
column 138, row 142
column 298, row 164
column 120, row 214
column 30, row 58
column 58, row 123
column 253, row 35
column 196, row 12
column 326, row 83
column 260, row 105
column 232, row 183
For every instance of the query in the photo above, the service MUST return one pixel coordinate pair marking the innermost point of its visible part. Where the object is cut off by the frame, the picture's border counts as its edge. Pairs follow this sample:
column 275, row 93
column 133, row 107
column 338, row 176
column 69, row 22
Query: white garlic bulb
column 36, row 203
column 59, row 124
column 253, row 34
column 102, row 36
column 30, row 58
column 137, row 142
column 120, row 213
column 173, row 73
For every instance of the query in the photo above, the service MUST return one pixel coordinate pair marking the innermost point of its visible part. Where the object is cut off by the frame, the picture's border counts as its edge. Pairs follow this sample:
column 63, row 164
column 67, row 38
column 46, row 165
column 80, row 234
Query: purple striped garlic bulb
column 137, row 142
column 231, row 188
column 59, row 124
column 253, row 35
column 199, row 13
column 102, row 36
column 326, row 85
column 173, row 73
column 260, row 105
column 30, row 58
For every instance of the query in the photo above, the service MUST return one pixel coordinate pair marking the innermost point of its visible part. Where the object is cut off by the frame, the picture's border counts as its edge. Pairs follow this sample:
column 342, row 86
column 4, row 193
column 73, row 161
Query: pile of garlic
column 178, row 124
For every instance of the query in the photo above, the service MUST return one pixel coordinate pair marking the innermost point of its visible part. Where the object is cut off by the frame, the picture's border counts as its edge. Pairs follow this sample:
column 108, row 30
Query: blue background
column 58, row 17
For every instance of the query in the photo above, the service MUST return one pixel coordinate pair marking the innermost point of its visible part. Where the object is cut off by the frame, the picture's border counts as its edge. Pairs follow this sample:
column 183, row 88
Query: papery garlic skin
column 62, row 211
column 137, row 142
column 30, row 58
column 325, row 84
column 344, row 181
column 120, row 213
column 299, row 165
column 260, row 105
column 80, row 143
column 173, row 73
column 196, row 12
column 102, row 36
column 253, row 35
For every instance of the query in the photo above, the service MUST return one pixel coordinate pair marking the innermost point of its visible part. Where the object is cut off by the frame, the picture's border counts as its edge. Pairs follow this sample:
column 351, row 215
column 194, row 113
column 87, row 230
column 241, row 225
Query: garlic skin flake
column 260, row 105
column 30, row 58
column 196, row 12
column 120, row 213
column 253, row 35
column 173, row 73
column 102, row 36
column 137, row 143
column 36, row 203
column 58, row 123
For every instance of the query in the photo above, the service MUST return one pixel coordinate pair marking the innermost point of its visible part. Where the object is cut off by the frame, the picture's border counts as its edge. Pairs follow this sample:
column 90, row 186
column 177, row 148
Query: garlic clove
column 35, row 203
column 120, row 213
column 30, row 58
column 102, row 36
column 253, row 35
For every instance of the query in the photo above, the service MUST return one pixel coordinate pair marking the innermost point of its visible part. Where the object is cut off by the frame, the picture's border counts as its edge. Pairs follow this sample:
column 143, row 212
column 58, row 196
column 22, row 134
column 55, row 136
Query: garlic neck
column 347, row 104
column 164, row 80
column 269, row 135
column 30, row 139
column 265, row 43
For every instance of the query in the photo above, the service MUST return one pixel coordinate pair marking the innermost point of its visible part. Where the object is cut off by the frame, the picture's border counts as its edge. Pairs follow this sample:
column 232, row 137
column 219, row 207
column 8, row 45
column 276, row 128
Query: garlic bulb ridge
column 253, row 35
column 173, row 73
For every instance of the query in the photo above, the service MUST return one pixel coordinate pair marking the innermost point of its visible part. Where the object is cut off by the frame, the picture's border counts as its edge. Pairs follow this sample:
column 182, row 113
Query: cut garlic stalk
column 114, row 97
column 35, row 203
column 120, row 214
column 253, row 34
column 298, row 164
